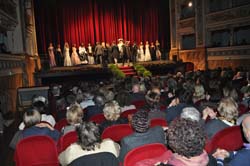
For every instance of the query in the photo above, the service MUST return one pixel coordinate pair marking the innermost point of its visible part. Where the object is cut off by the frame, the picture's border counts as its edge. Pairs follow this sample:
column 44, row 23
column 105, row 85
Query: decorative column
column 30, row 30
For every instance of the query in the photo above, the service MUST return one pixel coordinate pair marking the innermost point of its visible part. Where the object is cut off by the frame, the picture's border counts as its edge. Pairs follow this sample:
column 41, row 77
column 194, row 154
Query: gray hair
column 88, row 136
column 191, row 113
column 31, row 117
column 112, row 111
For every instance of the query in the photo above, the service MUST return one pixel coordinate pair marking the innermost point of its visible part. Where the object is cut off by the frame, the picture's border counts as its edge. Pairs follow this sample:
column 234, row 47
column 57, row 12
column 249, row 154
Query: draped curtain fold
column 89, row 21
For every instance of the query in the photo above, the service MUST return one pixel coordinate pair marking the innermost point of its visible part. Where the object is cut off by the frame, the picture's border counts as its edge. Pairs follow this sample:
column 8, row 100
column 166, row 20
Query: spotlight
column 190, row 4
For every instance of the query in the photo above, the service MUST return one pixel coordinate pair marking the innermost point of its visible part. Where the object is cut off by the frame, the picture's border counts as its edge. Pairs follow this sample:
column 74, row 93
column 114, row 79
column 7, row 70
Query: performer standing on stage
column 128, row 52
column 104, row 57
column 152, row 51
column 51, row 55
column 158, row 50
column 115, row 52
column 67, row 60
column 74, row 56
column 59, row 56
column 98, row 53
column 147, row 52
column 83, row 54
column 121, row 50
column 110, row 57
column 134, row 52
column 141, row 56
column 90, row 54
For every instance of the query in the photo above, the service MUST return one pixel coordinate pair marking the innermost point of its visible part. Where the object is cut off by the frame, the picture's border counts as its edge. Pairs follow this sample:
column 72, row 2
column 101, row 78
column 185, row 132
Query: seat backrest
column 98, row 118
column 139, row 103
column 128, row 112
column 117, row 132
column 36, row 150
column 144, row 152
column 97, row 159
column 158, row 122
column 230, row 139
column 66, row 140
column 60, row 124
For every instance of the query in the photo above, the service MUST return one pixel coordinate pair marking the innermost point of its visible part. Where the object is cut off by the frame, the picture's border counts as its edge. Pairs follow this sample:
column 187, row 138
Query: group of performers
column 104, row 53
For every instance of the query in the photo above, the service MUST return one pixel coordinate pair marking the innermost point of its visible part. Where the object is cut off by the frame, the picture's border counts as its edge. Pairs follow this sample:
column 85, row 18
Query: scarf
column 178, row 160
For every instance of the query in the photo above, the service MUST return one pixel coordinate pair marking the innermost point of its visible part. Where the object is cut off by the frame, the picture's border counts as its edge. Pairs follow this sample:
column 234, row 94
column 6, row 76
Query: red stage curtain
column 89, row 21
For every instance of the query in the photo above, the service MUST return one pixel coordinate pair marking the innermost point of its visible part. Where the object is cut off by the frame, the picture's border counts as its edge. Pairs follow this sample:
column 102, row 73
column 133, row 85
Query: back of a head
column 140, row 121
column 246, row 127
column 112, row 111
column 31, row 117
column 191, row 113
column 99, row 100
column 89, row 136
column 228, row 108
column 152, row 98
column 186, row 137
column 123, row 98
column 74, row 114
column 39, row 103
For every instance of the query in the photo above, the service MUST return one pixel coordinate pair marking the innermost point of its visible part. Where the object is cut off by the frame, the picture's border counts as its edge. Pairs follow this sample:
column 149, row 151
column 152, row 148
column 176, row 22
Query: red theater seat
column 59, row 125
column 128, row 112
column 158, row 122
column 66, row 140
column 138, row 104
column 36, row 150
column 144, row 152
column 117, row 132
column 229, row 139
column 98, row 118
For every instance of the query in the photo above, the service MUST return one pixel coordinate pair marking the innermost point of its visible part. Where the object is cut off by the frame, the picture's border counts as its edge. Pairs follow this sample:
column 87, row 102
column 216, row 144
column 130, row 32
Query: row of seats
column 42, row 150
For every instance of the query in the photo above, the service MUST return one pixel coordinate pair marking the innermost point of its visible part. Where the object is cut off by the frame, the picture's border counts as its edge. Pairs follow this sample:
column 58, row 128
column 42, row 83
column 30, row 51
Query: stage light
column 190, row 4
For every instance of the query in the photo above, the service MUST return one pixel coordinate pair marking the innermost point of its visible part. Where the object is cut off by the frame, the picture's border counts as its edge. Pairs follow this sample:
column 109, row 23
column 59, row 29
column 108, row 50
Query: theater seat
column 66, row 140
column 98, row 118
column 60, row 124
column 117, row 132
column 230, row 139
column 128, row 112
column 158, row 122
column 36, row 150
column 139, row 103
column 144, row 152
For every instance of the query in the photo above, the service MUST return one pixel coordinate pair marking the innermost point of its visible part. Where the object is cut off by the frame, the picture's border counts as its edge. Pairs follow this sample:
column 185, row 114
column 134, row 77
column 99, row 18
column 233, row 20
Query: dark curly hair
column 185, row 137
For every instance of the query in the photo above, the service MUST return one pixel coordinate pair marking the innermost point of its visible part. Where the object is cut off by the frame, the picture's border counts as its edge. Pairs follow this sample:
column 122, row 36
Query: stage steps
column 128, row 70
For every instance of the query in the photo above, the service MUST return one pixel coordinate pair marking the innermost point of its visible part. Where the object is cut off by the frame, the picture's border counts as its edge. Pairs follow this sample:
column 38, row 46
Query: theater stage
column 85, row 72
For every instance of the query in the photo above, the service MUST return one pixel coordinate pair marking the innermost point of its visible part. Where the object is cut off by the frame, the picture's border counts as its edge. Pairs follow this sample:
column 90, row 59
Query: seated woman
column 112, row 113
column 187, row 139
column 228, row 111
column 74, row 116
column 34, row 126
column 124, row 100
column 89, row 142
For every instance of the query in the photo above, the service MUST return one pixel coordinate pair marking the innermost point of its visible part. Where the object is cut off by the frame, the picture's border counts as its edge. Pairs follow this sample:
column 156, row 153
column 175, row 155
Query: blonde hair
column 228, row 108
column 112, row 111
column 74, row 114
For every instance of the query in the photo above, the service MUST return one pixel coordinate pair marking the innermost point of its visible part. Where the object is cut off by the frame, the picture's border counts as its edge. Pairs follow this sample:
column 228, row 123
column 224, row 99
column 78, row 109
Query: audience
column 112, row 112
column 142, row 134
column 124, row 100
column 240, row 157
column 74, row 116
column 187, row 139
column 228, row 111
column 89, row 142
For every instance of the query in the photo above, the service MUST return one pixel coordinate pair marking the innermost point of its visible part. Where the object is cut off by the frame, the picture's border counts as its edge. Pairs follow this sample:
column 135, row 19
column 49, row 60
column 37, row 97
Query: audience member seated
column 142, row 135
column 87, row 100
column 183, row 98
column 74, row 116
column 199, row 95
column 112, row 112
column 237, row 158
column 124, row 100
column 97, row 108
column 228, row 111
column 191, row 113
column 33, row 126
column 229, row 91
column 89, row 142
column 136, row 94
column 187, row 140
column 39, row 103
column 246, row 95
column 153, row 105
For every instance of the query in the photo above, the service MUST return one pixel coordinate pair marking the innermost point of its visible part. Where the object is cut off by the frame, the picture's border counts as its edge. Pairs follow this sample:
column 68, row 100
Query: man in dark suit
column 240, row 157
column 98, row 53
column 143, row 134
